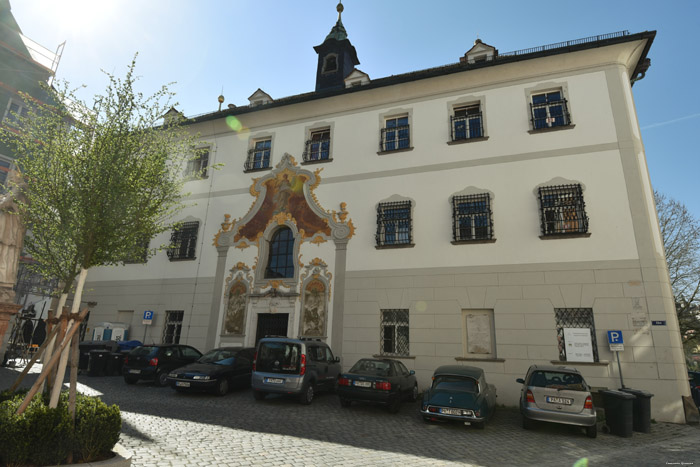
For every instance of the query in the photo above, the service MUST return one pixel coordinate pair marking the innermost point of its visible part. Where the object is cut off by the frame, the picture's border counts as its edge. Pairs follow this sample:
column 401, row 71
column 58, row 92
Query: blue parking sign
column 615, row 337
column 148, row 315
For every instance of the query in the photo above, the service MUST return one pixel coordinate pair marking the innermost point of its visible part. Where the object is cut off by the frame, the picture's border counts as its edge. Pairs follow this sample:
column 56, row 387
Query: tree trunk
column 52, row 342
column 61, row 370
column 47, row 367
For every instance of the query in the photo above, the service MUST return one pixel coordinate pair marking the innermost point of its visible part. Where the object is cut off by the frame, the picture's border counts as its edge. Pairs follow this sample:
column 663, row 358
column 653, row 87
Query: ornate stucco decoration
column 286, row 194
column 316, row 295
column 236, row 295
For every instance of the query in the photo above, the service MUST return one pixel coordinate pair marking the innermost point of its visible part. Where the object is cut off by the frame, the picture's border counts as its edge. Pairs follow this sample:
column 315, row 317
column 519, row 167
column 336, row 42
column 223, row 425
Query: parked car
column 154, row 362
column 557, row 394
column 380, row 381
column 217, row 371
column 694, row 380
column 459, row 393
column 298, row 367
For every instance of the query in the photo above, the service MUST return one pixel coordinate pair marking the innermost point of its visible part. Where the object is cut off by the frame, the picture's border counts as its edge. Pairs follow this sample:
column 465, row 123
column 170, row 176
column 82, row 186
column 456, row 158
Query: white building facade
column 496, row 212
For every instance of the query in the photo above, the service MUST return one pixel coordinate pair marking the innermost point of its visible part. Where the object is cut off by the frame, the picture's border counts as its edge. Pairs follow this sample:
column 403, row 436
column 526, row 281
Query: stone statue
column 11, row 235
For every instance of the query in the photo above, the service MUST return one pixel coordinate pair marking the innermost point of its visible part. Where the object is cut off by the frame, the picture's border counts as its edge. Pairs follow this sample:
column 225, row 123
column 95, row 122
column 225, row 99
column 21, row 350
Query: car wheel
column 259, row 395
column 130, row 379
column 527, row 423
column 307, row 393
column 345, row 402
column 592, row 431
column 414, row 393
column 161, row 378
column 478, row 425
column 394, row 405
column 222, row 387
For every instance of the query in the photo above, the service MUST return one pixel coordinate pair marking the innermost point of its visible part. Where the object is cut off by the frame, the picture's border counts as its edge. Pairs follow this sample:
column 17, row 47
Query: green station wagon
column 459, row 393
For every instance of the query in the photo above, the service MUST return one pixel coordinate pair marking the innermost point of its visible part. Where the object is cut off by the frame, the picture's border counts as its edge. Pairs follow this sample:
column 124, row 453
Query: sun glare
column 81, row 17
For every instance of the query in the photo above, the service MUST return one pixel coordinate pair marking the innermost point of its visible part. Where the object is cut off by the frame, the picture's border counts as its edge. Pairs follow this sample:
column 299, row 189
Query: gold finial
column 339, row 8
column 221, row 101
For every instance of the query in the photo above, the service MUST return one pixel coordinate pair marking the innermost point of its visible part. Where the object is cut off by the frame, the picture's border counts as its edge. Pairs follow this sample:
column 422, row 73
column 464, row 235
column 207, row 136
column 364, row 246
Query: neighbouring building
column 494, row 212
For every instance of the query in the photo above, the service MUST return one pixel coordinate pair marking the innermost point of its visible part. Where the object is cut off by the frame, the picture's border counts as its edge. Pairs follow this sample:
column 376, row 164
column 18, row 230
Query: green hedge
column 44, row 436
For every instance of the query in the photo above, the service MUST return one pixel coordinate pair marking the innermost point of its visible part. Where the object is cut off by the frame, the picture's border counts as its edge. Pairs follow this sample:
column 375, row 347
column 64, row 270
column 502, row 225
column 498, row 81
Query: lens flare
column 233, row 123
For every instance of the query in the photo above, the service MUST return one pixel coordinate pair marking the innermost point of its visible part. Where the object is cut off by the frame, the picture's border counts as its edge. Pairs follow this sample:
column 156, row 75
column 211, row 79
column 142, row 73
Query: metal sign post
column 147, row 321
column 617, row 345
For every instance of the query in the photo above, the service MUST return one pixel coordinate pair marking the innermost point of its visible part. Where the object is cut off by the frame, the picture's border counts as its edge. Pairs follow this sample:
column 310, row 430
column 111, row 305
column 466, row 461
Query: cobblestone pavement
column 164, row 428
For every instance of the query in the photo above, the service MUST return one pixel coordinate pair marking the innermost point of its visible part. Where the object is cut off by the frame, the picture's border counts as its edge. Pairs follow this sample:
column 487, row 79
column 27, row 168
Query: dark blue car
column 378, row 381
column 459, row 393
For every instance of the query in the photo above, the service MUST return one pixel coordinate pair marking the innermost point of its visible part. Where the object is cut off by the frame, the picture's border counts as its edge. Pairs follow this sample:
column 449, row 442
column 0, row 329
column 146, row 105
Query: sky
column 233, row 47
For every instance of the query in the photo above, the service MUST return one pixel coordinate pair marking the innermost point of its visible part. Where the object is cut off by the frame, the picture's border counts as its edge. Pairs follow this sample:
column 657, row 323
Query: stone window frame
column 465, row 101
column 542, row 88
column 389, row 115
column 264, row 250
column 250, row 156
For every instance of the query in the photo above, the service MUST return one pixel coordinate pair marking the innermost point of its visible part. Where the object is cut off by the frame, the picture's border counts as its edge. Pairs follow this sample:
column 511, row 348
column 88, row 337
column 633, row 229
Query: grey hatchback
column 557, row 394
column 293, row 366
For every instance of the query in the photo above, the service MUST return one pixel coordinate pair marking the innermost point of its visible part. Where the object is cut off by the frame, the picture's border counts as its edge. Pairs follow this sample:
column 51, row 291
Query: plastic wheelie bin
column 115, row 363
column 618, row 412
column 98, row 362
column 641, row 409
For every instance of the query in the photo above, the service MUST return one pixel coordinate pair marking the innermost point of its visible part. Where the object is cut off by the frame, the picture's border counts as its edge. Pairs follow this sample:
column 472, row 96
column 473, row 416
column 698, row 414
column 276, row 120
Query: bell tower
column 337, row 57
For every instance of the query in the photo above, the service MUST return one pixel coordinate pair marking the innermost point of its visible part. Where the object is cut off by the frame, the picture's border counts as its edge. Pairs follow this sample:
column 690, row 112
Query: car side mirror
column 412, row 372
column 336, row 360
column 520, row 380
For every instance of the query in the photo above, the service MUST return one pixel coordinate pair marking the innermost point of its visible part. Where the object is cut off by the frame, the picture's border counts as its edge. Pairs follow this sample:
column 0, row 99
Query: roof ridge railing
column 558, row 45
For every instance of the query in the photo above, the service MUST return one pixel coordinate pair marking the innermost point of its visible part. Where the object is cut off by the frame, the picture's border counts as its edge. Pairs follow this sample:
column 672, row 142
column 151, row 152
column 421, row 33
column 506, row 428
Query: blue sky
column 241, row 45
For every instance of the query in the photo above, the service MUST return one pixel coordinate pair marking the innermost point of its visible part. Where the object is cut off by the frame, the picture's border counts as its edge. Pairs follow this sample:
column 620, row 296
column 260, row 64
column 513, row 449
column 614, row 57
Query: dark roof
column 459, row 370
column 501, row 59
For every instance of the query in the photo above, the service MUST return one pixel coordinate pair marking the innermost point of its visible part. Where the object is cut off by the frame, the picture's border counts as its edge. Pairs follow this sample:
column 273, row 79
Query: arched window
column 280, row 263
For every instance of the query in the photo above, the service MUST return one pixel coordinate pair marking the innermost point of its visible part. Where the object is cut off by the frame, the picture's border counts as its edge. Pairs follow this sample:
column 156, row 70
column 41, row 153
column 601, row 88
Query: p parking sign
column 148, row 317
column 615, row 340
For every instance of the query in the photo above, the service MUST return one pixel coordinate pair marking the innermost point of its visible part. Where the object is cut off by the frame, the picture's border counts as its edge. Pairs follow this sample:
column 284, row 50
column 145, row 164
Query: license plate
column 274, row 380
column 362, row 384
column 451, row 411
column 135, row 372
column 182, row 384
column 559, row 400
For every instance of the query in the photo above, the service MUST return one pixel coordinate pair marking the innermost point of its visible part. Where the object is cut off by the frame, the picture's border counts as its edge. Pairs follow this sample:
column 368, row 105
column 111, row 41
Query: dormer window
column 330, row 63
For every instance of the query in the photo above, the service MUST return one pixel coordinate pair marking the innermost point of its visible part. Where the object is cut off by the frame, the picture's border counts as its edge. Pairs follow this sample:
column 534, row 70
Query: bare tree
column 681, row 236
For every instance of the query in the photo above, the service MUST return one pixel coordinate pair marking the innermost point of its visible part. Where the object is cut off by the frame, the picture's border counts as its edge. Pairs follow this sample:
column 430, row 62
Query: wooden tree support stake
column 50, row 365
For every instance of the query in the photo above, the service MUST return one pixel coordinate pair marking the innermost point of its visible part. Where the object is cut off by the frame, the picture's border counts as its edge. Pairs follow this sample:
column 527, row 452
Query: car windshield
column 278, row 357
column 371, row 368
column 143, row 351
column 557, row 380
column 218, row 356
column 456, row 383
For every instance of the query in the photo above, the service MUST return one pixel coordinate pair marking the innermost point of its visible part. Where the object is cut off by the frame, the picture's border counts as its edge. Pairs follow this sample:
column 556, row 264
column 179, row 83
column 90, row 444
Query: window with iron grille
column 183, row 242
column 466, row 122
column 197, row 166
column 394, row 224
column 318, row 147
column 259, row 155
column 173, row 327
column 471, row 217
column 394, row 333
column 395, row 134
column 549, row 110
column 562, row 210
column 280, row 262
column 574, row 318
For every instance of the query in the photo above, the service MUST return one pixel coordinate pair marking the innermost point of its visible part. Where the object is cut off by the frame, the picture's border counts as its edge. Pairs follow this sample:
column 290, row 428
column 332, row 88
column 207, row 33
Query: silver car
column 557, row 394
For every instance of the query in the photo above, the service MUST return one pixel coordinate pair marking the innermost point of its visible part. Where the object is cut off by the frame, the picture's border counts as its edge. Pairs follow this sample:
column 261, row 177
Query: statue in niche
column 234, row 320
column 314, row 309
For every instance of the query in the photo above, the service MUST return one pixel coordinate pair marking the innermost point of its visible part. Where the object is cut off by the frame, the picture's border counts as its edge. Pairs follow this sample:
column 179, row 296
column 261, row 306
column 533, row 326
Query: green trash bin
column 641, row 409
column 618, row 412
